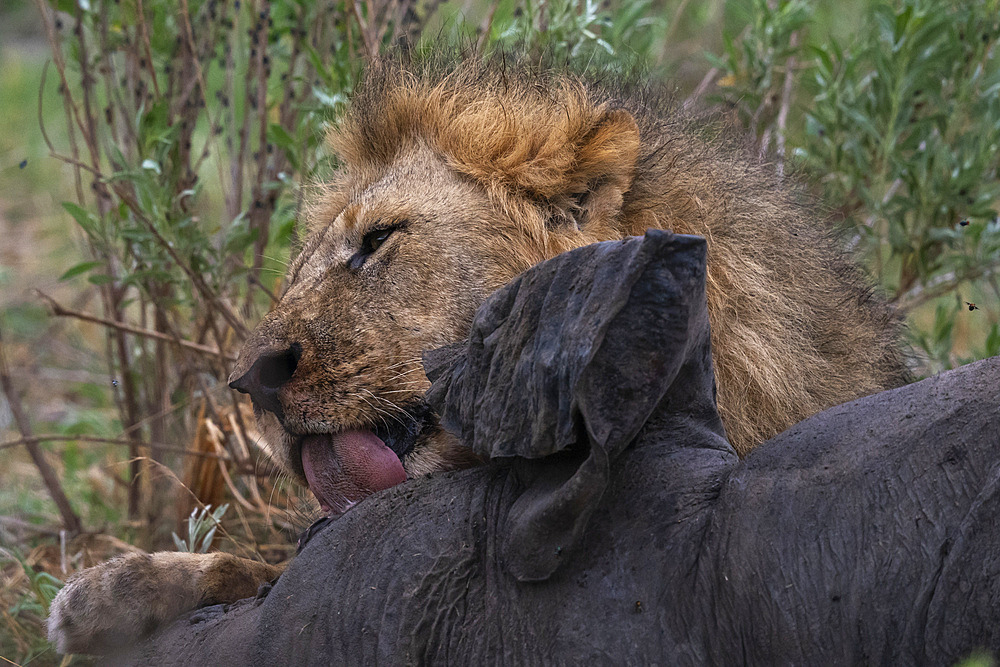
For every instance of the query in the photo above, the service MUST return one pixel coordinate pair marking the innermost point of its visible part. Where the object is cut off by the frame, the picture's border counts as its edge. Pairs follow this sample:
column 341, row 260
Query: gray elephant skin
column 614, row 524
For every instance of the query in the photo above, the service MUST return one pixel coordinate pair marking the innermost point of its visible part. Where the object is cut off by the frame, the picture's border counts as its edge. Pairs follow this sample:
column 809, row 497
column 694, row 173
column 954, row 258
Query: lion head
column 455, row 180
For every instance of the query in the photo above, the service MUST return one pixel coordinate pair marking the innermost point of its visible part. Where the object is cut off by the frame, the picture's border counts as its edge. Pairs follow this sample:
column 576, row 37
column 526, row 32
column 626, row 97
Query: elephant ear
column 561, row 369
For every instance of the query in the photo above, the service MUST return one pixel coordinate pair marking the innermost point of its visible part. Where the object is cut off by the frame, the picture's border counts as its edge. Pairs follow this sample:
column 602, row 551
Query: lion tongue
column 343, row 468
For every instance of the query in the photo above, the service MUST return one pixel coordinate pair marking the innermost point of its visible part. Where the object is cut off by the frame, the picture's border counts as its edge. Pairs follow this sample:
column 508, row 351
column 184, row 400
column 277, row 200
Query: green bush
column 901, row 126
column 193, row 127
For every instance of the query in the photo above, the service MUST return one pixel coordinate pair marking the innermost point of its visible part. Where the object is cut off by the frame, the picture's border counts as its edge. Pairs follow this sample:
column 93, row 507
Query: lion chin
column 454, row 180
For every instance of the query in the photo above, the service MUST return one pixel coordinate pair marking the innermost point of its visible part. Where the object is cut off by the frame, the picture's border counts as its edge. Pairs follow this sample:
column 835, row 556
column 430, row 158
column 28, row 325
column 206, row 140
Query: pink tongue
column 345, row 468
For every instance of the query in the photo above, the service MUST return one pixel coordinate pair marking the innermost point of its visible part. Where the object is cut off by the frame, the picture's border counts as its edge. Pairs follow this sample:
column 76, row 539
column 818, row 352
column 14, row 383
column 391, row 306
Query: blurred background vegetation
column 153, row 158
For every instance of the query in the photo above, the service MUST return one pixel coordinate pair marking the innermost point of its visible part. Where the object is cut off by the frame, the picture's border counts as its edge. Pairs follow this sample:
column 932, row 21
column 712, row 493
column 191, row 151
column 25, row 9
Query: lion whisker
column 283, row 262
column 412, row 370
column 402, row 382
column 410, row 383
column 414, row 360
column 392, row 405
column 380, row 412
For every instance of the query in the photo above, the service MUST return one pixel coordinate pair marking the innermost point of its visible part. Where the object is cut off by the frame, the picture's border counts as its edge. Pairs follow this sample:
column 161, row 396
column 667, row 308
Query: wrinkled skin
column 863, row 535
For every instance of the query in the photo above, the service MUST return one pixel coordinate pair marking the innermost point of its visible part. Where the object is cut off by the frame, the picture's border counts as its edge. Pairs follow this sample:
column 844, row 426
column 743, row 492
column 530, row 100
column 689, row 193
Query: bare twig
column 50, row 33
column 70, row 519
column 706, row 81
column 140, row 13
column 487, row 25
column 60, row 311
column 370, row 48
column 786, row 102
column 51, row 437
column 249, row 104
column 67, row 99
column 20, row 524
column 256, row 281
column 90, row 129
column 261, row 203
column 77, row 164
column 200, row 76
column 939, row 286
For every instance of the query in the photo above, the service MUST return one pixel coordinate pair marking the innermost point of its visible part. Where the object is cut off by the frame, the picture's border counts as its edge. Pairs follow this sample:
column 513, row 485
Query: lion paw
column 114, row 605
column 123, row 600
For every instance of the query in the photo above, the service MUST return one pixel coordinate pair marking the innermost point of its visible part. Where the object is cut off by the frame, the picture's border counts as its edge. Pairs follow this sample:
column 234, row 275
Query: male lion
column 453, row 181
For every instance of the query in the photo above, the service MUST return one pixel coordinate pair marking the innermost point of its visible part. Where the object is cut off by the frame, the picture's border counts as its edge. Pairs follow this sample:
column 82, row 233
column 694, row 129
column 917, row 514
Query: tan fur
column 486, row 170
column 107, row 607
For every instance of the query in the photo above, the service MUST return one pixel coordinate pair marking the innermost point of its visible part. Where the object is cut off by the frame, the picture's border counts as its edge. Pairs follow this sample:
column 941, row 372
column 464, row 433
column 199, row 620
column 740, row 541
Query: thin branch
column 60, row 311
column 79, row 165
column 57, row 54
column 41, row 108
column 20, row 524
column 939, row 286
column 196, row 280
column 90, row 131
column 706, row 81
column 363, row 24
column 140, row 13
column 256, row 281
column 200, row 76
column 675, row 21
column 261, row 205
column 50, row 33
column 486, row 27
column 786, row 102
column 70, row 519
column 51, row 437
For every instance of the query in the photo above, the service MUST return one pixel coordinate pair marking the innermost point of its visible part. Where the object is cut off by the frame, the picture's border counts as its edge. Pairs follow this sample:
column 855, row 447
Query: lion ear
column 604, row 169
column 561, row 370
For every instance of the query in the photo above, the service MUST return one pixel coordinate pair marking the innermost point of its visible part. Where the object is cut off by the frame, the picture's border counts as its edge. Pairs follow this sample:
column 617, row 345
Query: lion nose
column 268, row 374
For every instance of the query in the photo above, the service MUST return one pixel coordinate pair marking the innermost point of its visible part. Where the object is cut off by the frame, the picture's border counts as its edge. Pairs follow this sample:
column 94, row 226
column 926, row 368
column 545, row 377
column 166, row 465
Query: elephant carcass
column 615, row 524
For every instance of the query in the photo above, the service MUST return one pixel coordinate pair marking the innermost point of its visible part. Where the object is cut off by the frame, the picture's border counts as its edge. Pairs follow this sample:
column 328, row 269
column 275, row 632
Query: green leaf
column 82, row 267
column 280, row 136
column 993, row 341
column 84, row 218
